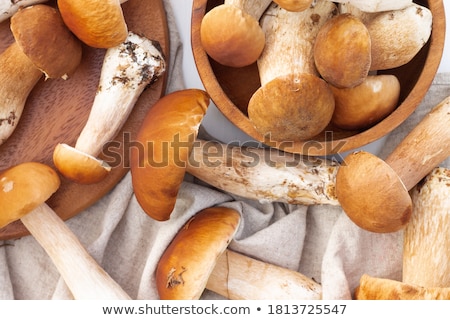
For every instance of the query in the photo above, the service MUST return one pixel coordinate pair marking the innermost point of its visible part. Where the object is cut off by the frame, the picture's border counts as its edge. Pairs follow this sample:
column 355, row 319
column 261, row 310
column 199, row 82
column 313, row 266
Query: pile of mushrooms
column 342, row 43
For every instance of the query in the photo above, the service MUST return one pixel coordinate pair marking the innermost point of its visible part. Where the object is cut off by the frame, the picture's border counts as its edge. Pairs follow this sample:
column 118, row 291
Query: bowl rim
column 328, row 146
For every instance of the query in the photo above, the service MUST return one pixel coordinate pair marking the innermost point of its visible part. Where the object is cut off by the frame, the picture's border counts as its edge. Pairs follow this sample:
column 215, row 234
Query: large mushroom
column 293, row 102
column 426, row 251
column 127, row 70
column 230, row 33
column 374, row 193
column 99, row 23
column 23, row 191
column 165, row 139
column 198, row 258
column 43, row 45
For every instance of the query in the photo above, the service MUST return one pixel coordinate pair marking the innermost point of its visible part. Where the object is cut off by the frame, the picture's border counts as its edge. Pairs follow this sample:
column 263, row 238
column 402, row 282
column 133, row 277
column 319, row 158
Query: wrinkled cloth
column 318, row 241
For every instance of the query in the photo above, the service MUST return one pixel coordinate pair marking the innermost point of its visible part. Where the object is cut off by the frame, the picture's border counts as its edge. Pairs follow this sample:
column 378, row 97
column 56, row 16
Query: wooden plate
column 57, row 110
column 231, row 88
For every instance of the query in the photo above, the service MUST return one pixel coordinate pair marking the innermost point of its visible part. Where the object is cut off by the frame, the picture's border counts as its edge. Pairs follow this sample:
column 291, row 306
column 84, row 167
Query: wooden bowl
column 231, row 88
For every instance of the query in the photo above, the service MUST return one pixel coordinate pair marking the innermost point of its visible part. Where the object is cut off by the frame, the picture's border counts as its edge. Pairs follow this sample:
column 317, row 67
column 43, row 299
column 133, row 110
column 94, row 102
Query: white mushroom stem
column 377, row 5
column 255, row 8
column 18, row 76
column 426, row 254
column 266, row 175
column 239, row 277
column 9, row 7
column 127, row 70
column 82, row 274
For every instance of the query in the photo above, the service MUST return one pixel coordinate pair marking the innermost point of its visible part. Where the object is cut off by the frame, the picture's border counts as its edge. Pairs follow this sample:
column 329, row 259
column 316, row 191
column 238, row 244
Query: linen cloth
column 318, row 241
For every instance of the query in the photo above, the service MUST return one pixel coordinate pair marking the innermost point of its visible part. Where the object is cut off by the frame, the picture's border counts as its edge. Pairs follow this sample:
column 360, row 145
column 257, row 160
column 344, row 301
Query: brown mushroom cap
column 372, row 194
column 364, row 105
column 231, row 37
column 292, row 107
column 294, row 5
column 185, row 266
column 42, row 35
column 23, row 188
column 342, row 51
column 99, row 24
column 79, row 166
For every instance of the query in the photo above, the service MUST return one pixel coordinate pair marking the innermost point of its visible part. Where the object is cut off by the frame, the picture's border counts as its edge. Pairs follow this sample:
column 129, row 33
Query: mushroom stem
column 426, row 146
column 84, row 277
column 18, row 76
column 8, row 7
column 377, row 5
column 426, row 254
column 255, row 8
column 263, row 174
column 239, row 277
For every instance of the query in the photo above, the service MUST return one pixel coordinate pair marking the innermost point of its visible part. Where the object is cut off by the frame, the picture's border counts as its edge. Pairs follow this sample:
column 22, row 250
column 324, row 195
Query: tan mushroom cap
column 372, row 194
column 292, row 107
column 78, row 166
column 364, row 105
column 99, row 24
column 42, row 35
column 23, row 188
column 231, row 37
column 371, row 288
column 185, row 266
column 294, row 5
column 342, row 51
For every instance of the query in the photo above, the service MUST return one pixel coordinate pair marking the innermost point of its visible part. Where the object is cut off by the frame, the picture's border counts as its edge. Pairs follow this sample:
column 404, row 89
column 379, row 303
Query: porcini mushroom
column 396, row 35
column 23, row 191
column 366, row 104
column 426, row 253
column 99, row 24
column 294, row 5
column 127, row 70
column 230, row 33
column 43, row 45
column 165, row 140
column 266, row 175
column 374, row 193
column 198, row 258
column 8, row 8
column 342, row 51
column 293, row 102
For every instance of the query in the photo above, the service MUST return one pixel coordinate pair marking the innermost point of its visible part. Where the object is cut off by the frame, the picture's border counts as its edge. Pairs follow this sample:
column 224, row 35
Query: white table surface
column 214, row 122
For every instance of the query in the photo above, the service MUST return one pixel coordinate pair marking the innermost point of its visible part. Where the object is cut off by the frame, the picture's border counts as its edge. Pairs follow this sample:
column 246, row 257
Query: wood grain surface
column 56, row 111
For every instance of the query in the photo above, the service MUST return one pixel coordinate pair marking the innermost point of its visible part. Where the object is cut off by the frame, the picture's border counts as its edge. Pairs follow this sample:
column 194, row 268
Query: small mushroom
column 99, row 24
column 127, row 70
column 426, row 254
column 230, row 33
column 374, row 193
column 293, row 102
column 23, row 191
column 342, row 51
column 9, row 8
column 266, row 175
column 165, row 139
column 43, row 45
column 198, row 258
column 366, row 104
column 294, row 5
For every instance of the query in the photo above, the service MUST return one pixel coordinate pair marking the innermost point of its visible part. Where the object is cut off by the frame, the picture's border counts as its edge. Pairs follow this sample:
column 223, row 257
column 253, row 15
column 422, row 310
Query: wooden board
column 56, row 111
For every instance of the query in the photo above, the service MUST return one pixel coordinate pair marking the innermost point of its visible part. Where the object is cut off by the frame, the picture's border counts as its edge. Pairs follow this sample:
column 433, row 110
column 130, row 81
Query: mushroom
column 293, row 102
column 24, row 189
column 396, row 35
column 127, row 70
column 230, row 33
column 377, row 5
column 8, row 8
column 342, row 51
column 374, row 193
column 164, row 141
column 99, row 24
column 426, row 253
column 366, row 104
column 294, row 5
column 198, row 258
column 264, row 174
column 43, row 45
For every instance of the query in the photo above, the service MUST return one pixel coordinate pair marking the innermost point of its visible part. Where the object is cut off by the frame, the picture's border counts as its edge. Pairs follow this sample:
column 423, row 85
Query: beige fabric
column 319, row 241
